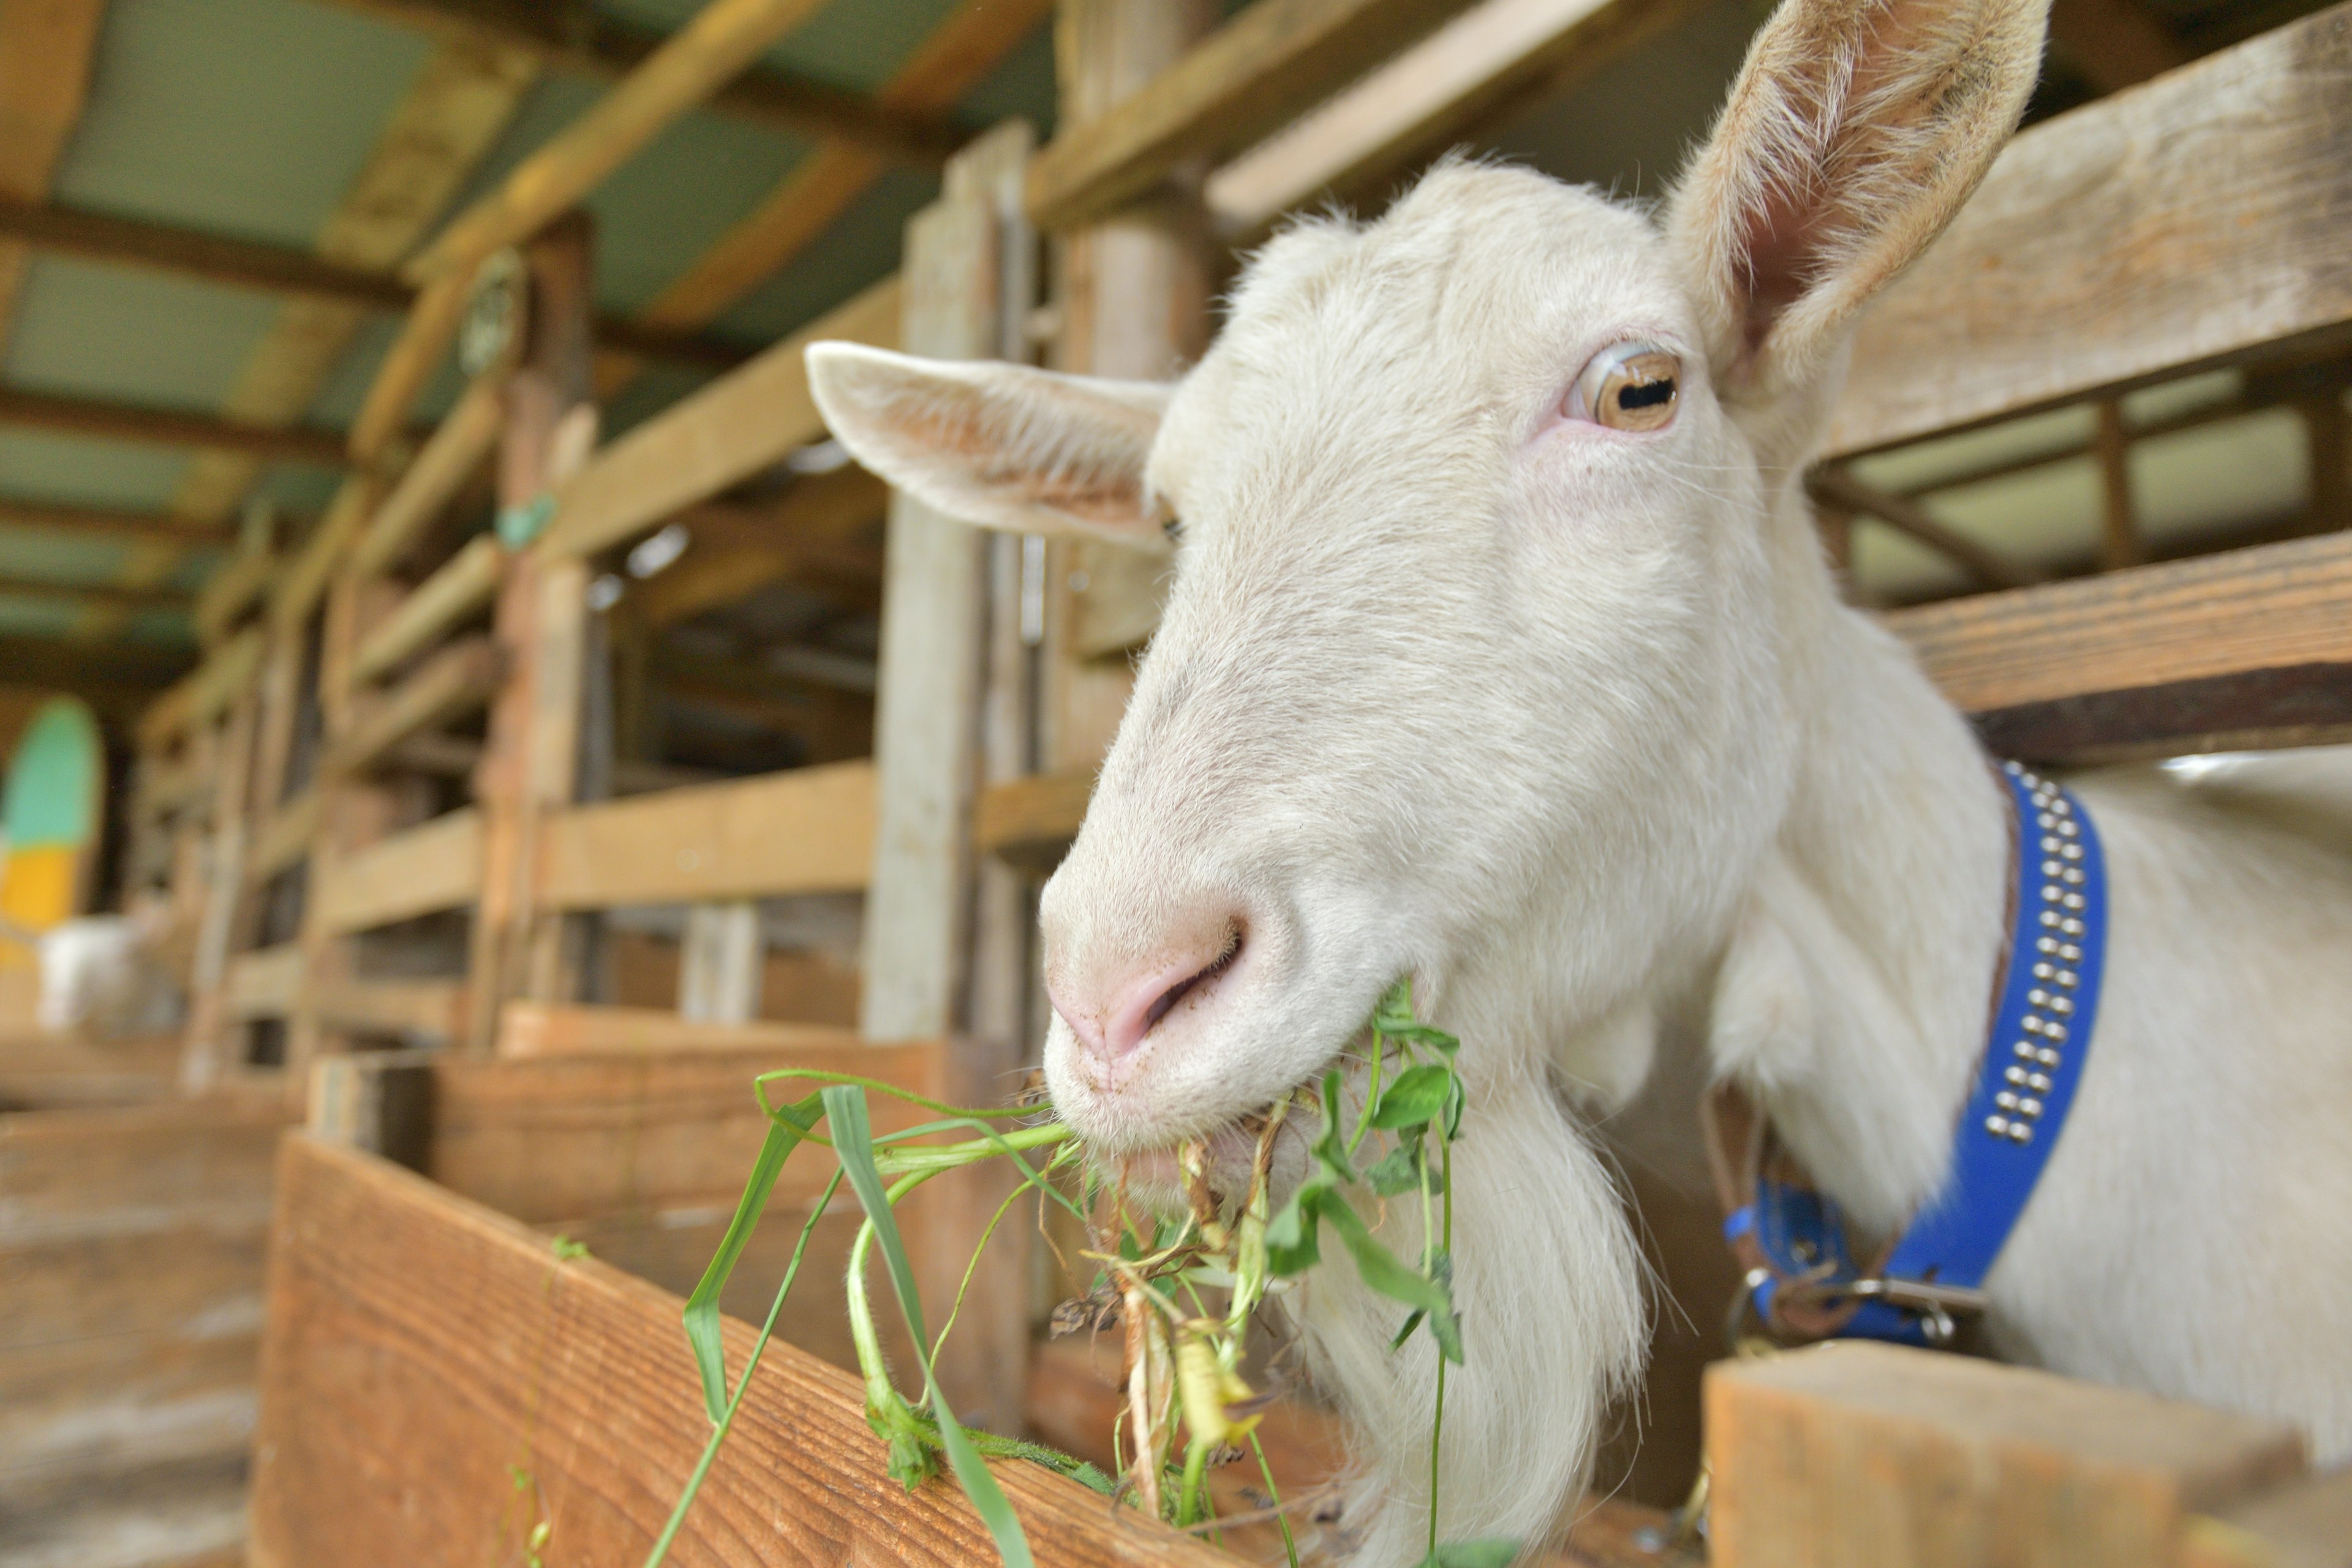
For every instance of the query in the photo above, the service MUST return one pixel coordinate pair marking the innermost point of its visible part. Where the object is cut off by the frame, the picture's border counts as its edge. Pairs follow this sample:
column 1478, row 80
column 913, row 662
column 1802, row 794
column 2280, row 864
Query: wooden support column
column 2328, row 431
column 720, row 961
column 1131, row 299
column 531, row 763
column 966, row 279
column 2119, row 541
column 222, row 897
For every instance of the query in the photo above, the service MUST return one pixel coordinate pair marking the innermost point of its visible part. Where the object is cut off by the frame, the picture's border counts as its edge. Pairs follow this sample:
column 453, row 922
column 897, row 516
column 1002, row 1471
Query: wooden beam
column 46, row 50
column 415, row 1012
column 1870, row 1453
column 457, row 681
column 1271, row 63
column 718, row 436
column 1840, row 490
column 955, row 58
column 539, row 1029
column 591, row 44
column 1032, row 820
column 265, row 982
column 284, row 836
column 810, row 830
column 205, row 693
column 2303, row 1524
column 129, row 601
column 2118, row 43
column 152, row 528
column 367, row 1460
column 2119, row 538
column 808, row 535
column 2194, row 221
column 436, row 867
column 2248, row 648
column 284, row 270
column 169, row 427
column 1485, row 62
column 459, row 590
column 299, row 589
column 459, row 446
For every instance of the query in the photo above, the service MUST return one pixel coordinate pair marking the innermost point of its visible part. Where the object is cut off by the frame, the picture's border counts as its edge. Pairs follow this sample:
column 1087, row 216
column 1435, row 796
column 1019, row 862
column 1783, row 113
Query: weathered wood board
column 808, row 830
column 423, row 1351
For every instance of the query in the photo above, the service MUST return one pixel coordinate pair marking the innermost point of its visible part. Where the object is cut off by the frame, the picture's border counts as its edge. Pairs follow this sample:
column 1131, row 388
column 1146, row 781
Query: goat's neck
column 1858, row 983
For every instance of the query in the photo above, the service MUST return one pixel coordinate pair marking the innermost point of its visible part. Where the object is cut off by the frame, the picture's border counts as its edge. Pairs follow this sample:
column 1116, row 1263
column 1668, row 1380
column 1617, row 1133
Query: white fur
column 1570, row 724
column 99, row 975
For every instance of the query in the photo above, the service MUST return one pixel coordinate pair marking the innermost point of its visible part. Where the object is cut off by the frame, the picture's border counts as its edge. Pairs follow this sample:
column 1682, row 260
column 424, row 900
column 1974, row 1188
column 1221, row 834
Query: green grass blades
column 787, row 1126
column 1492, row 1553
column 853, row 1142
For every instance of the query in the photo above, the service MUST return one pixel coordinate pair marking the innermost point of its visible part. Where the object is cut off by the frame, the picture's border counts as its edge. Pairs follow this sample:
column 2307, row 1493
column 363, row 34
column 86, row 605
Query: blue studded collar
column 1802, row 1280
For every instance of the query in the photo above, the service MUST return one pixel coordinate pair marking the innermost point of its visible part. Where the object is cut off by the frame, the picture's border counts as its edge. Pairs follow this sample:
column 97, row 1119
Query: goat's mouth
column 1219, row 1167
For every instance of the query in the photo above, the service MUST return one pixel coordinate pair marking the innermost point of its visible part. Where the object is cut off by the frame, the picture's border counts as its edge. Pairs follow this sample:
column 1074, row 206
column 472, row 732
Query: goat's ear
column 1002, row 445
column 1855, row 131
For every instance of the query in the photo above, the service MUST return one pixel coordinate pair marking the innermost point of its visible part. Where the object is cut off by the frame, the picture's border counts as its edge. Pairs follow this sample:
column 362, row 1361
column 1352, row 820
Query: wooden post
column 531, row 761
column 721, row 959
column 1867, row 1456
column 966, row 284
column 1132, row 300
column 218, row 906
column 2329, row 442
column 2119, row 541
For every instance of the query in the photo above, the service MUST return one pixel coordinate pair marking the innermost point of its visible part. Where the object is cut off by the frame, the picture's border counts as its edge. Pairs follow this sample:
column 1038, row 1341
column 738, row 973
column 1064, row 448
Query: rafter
column 283, row 269
column 577, row 38
column 123, row 601
column 169, row 427
column 46, row 48
column 98, row 522
column 956, row 57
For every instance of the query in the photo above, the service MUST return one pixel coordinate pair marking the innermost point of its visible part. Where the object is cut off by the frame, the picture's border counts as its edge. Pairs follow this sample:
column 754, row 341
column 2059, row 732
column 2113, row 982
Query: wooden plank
column 460, row 444
column 455, row 682
column 285, row 837
column 724, row 433
column 1855, row 1454
column 2193, row 220
column 420, row 1345
column 126, row 601
column 2304, row 1524
column 1032, row 820
column 723, row 39
column 100, row 522
column 205, row 693
column 435, row 867
column 459, row 589
column 809, row 533
column 415, row 1012
column 159, row 426
column 558, row 1137
column 304, row 583
column 531, row 1029
column 956, row 57
column 592, row 43
column 223, row 601
column 1271, row 63
column 1483, row 63
column 808, row 830
column 934, row 603
column 46, row 50
column 76, row 1170
column 2168, row 656
column 265, row 982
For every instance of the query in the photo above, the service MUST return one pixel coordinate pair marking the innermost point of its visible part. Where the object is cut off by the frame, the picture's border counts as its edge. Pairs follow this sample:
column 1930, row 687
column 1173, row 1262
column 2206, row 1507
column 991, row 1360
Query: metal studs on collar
column 2021, row 1105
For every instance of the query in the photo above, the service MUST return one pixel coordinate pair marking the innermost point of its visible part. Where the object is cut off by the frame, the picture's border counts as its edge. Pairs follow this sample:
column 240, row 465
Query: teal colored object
column 519, row 525
column 53, row 778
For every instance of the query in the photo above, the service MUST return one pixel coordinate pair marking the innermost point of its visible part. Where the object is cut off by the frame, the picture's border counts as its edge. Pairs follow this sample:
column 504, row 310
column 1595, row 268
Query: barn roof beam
column 576, row 37
column 128, row 601
column 102, row 522
column 152, row 426
column 284, row 270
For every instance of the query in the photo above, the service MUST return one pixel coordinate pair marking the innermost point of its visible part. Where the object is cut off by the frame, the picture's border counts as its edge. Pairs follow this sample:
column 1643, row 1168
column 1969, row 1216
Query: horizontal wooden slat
column 455, row 682
column 559, row 1138
column 724, row 433
column 420, row 1345
column 461, row 589
column 460, row 445
column 1032, row 820
column 285, row 837
column 810, row 830
column 2191, row 220
column 304, row 583
column 265, row 982
column 1272, row 62
column 809, row 533
column 223, row 601
column 436, row 867
column 2220, row 649
column 1492, row 56
column 539, row 1029
column 205, row 693
column 415, row 1012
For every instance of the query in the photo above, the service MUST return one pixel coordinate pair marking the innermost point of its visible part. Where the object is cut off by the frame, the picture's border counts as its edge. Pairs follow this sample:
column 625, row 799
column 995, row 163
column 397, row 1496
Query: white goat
column 100, row 975
column 1489, row 661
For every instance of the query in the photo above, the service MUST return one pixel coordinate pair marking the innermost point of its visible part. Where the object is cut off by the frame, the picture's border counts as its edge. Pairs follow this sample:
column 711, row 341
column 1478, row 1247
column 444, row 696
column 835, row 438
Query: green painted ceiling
column 253, row 117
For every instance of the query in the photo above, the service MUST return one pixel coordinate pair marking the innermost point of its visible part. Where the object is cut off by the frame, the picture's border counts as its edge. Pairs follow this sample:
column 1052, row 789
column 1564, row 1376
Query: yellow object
column 37, row 891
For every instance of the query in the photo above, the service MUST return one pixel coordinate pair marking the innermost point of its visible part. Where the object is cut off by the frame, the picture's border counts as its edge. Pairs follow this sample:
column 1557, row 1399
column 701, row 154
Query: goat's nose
column 1112, row 1020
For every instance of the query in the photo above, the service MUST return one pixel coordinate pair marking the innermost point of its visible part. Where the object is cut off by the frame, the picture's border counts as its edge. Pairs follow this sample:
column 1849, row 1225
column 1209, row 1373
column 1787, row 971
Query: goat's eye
column 1628, row 386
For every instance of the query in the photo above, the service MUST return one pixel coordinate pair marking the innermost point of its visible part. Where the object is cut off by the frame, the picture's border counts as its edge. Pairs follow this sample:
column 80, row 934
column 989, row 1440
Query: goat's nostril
column 1152, row 997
